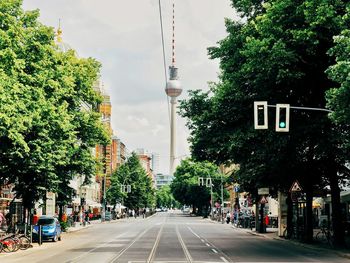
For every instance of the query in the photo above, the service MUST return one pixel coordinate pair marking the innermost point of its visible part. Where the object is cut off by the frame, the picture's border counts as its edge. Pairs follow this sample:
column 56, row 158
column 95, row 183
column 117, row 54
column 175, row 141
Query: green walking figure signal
column 282, row 117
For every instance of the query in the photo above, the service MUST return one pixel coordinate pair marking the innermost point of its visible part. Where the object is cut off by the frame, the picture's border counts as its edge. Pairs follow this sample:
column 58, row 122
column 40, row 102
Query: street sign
column 295, row 187
column 263, row 191
column 263, row 200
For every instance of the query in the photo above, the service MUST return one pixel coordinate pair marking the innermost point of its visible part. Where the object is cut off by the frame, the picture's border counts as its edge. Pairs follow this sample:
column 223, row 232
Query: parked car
column 50, row 228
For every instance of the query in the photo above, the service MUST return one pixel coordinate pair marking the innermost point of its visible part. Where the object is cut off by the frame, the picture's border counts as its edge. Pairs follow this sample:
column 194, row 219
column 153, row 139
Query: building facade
column 163, row 179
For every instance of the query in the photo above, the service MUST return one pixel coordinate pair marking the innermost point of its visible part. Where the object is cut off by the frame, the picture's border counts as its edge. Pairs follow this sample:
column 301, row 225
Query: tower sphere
column 173, row 88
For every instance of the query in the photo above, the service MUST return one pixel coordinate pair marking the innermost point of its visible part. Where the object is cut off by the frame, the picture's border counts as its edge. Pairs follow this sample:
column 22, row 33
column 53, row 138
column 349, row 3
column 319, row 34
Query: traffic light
column 200, row 181
column 208, row 183
column 260, row 115
column 282, row 117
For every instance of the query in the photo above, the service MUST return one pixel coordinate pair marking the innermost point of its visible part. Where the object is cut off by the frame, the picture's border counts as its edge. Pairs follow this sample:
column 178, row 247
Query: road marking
column 93, row 249
column 195, row 233
column 121, row 252
column 207, row 244
column 216, row 250
column 183, row 245
column 155, row 246
column 223, row 259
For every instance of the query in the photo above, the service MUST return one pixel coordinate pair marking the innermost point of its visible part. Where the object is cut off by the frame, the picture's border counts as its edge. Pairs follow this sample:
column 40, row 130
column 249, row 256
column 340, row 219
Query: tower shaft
column 172, row 134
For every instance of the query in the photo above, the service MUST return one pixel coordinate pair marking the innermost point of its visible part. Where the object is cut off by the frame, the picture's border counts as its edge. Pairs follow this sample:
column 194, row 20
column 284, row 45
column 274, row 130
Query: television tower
column 173, row 90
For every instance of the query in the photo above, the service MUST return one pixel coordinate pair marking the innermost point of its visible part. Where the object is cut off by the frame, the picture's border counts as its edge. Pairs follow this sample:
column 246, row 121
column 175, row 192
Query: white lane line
column 195, row 233
column 223, row 259
column 207, row 244
column 214, row 250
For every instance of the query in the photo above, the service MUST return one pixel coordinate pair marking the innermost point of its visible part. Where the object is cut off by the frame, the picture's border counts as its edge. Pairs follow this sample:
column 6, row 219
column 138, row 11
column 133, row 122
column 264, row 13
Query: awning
column 92, row 203
column 5, row 199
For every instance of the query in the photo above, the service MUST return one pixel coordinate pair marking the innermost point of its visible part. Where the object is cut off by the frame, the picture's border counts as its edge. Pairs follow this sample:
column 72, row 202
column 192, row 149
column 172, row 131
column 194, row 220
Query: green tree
column 277, row 53
column 186, row 189
column 132, row 173
column 164, row 197
column 43, row 132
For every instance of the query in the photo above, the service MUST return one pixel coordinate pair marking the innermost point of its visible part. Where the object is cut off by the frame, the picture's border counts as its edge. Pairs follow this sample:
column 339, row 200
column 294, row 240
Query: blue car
column 50, row 227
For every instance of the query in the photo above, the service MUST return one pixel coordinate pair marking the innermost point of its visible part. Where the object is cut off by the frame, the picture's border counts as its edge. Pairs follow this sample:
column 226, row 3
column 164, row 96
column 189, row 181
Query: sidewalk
column 272, row 233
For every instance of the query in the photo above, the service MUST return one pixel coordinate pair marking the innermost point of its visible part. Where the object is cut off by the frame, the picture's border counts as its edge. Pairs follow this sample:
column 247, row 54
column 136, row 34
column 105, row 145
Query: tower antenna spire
column 173, row 40
column 59, row 32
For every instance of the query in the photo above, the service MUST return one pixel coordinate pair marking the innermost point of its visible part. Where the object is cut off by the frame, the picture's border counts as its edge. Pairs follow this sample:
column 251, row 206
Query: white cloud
column 125, row 37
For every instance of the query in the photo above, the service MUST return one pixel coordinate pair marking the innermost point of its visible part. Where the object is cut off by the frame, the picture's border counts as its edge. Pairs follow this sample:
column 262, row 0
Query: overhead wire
column 164, row 58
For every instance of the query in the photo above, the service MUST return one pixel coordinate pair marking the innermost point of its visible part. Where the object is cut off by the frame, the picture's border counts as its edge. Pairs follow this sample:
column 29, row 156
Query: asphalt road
column 167, row 237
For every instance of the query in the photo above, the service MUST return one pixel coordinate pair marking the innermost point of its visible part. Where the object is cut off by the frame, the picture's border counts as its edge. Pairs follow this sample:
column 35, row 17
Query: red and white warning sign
column 295, row 187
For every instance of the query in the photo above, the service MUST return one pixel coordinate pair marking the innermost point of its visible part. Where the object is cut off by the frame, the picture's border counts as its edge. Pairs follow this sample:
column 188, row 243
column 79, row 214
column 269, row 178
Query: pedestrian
column 35, row 217
column 267, row 220
column 228, row 217
column 144, row 213
column 87, row 218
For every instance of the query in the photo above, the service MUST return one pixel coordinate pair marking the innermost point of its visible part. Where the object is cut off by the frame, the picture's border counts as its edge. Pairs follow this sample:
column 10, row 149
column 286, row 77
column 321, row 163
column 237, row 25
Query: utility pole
column 222, row 201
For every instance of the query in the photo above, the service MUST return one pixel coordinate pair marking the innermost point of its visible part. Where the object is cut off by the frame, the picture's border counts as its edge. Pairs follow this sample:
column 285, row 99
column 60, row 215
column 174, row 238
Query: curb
column 72, row 229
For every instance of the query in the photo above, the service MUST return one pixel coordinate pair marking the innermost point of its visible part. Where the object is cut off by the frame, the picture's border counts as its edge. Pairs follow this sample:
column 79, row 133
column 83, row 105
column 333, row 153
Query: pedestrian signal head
column 282, row 117
column 260, row 115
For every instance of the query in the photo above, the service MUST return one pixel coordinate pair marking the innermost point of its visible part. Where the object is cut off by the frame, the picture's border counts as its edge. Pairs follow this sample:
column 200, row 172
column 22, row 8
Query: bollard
column 40, row 236
column 31, row 234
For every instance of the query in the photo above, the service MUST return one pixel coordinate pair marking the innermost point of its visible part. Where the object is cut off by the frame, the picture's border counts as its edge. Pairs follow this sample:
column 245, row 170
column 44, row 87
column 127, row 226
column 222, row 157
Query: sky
column 125, row 36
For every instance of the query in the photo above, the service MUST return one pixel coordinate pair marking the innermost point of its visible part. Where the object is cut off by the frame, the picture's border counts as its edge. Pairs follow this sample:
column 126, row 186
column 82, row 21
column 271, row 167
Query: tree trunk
column 309, row 229
column 337, row 223
column 289, row 214
column 60, row 211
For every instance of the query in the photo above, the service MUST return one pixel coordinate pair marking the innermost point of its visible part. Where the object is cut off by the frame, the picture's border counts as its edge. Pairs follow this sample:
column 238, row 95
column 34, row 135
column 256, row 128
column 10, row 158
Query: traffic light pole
column 282, row 115
column 303, row 108
column 222, row 202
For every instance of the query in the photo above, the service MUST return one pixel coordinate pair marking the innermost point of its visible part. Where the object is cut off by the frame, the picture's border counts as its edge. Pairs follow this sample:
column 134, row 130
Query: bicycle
column 7, row 244
column 289, row 234
column 325, row 236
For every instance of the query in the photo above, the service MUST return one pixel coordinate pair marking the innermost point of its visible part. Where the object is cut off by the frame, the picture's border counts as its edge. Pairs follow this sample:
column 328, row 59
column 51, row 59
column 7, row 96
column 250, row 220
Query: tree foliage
column 186, row 189
column 279, row 53
column 45, row 136
column 132, row 173
column 164, row 197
